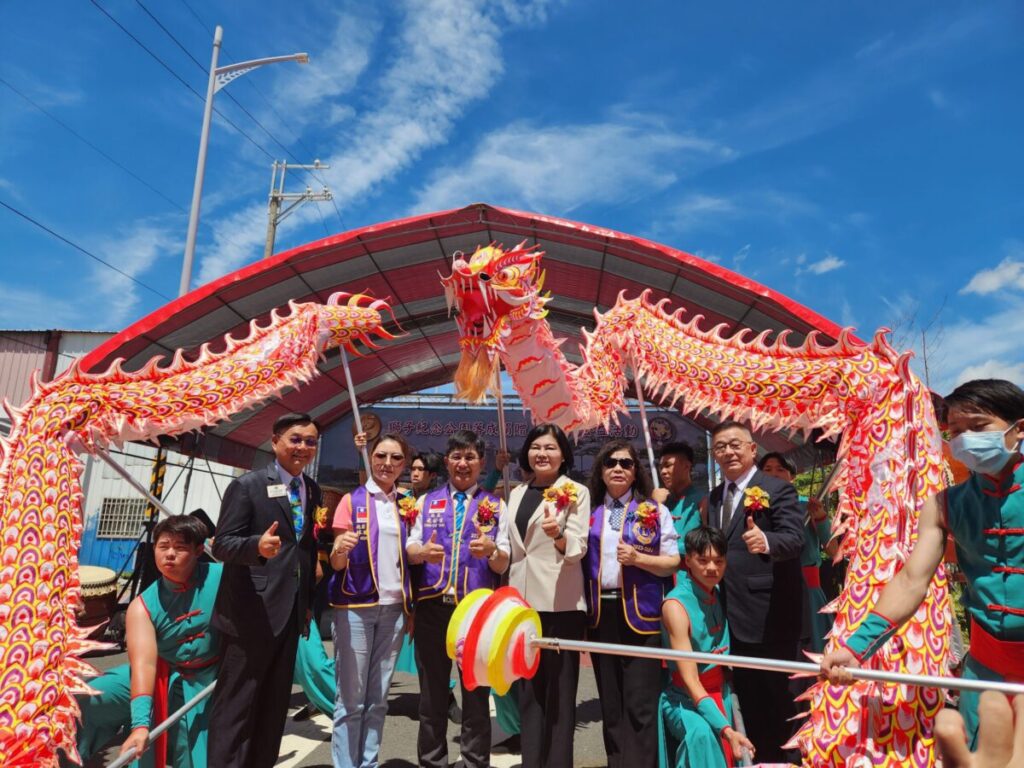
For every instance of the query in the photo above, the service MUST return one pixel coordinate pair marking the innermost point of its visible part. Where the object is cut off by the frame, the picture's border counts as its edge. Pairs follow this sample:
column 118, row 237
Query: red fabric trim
column 1004, row 531
column 812, row 576
column 999, row 493
column 1002, row 656
column 163, row 674
column 1005, row 609
column 1007, row 569
column 189, row 615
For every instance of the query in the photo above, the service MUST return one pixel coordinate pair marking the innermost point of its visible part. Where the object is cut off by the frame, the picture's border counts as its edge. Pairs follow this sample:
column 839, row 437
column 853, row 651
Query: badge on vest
column 435, row 512
column 277, row 491
column 643, row 534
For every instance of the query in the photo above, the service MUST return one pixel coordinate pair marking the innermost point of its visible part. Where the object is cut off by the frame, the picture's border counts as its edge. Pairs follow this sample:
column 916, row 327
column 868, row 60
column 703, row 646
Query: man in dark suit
column 265, row 539
column 763, row 524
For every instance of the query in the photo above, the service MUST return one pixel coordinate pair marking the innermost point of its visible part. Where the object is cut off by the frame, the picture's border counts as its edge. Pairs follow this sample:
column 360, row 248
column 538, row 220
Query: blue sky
column 865, row 160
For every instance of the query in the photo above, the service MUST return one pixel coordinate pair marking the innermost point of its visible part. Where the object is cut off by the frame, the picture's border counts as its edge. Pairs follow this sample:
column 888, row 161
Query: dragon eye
column 507, row 275
column 484, row 276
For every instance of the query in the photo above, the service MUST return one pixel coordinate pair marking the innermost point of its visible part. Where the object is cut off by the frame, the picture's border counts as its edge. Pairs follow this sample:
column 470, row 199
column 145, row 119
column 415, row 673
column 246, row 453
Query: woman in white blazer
column 548, row 522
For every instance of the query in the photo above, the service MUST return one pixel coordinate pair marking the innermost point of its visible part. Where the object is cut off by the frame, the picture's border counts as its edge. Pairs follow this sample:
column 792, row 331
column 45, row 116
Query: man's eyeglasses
column 309, row 442
column 610, row 462
column 732, row 445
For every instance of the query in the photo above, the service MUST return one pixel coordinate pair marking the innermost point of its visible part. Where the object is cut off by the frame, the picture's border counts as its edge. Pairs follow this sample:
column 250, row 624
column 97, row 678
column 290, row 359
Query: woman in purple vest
column 372, row 595
column 632, row 554
column 548, row 537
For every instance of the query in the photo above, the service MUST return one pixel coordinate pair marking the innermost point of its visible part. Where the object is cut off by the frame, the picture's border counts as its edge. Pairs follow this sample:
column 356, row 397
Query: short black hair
column 700, row 540
column 642, row 486
column 732, row 425
column 786, row 463
column 465, row 439
column 432, row 461
column 191, row 529
column 542, row 430
column 289, row 420
column 677, row 449
column 997, row 397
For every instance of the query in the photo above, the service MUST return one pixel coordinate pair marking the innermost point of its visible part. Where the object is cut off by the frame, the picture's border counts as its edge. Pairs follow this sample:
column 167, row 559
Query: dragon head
column 487, row 292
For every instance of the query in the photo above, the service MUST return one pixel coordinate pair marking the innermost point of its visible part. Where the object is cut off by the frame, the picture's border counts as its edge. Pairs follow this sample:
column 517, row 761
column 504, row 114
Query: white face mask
column 984, row 452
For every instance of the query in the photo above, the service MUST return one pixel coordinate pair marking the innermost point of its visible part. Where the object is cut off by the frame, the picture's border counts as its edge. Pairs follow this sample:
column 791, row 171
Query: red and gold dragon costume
column 40, row 495
column 889, row 448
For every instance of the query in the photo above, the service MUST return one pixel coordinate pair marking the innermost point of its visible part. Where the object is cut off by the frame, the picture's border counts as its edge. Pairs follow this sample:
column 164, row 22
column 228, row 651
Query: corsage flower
column 755, row 499
column 647, row 514
column 320, row 516
column 561, row 496
column 486, row 513
column 407, row 510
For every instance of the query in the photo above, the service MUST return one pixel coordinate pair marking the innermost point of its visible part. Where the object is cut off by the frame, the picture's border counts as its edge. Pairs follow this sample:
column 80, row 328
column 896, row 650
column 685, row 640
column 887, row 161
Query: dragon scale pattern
column 40, row 495
column 890, row 451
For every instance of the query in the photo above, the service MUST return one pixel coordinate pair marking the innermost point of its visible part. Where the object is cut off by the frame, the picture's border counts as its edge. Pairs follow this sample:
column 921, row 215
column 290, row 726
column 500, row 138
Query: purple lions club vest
column 433, row 579
column 642, row 592
column 356, row 586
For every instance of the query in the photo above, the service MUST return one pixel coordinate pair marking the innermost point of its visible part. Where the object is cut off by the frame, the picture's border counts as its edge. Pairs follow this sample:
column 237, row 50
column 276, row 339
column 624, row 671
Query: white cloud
column 993, row 369
column 421, row 92
column 20, row 309
column 830, row 263
column 557, row 169
column 1009, row 273
column 696, row 209
column 971, row 346
column 113, row 298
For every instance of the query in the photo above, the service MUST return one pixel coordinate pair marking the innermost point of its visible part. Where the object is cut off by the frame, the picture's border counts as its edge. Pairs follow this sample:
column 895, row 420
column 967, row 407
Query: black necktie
column 730, row 495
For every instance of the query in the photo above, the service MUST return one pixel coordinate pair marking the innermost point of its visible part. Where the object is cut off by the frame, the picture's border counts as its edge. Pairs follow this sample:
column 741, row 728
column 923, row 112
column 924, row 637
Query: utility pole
column 275, row 214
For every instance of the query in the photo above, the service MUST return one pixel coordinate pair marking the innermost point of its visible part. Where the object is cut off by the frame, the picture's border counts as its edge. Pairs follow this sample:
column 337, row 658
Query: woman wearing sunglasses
column 372, row 596
column 632, row 555
column 548, row 537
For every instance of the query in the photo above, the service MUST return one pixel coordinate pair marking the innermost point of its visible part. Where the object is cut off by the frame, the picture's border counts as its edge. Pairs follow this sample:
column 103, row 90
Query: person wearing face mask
column 631, row 557
column 985, row 516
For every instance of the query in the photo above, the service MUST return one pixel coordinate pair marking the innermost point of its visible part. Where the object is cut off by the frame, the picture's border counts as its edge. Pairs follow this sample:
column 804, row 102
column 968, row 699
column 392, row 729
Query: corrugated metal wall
column 21, row 352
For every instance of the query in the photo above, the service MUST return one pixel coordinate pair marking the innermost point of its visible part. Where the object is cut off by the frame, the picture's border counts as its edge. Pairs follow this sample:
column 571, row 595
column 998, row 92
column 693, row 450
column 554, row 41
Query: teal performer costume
column 689, row 731
column 314, row 672
column 985, row 515
column 685, row 512
column 187, row 652
column 816, row 536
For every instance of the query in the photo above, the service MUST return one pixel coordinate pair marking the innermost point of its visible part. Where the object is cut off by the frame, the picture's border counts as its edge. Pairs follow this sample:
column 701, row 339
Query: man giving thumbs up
column 265, row 538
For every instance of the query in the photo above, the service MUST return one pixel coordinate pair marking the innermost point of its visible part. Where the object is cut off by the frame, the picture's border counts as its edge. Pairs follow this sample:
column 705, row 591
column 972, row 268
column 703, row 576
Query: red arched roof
column 587, row 267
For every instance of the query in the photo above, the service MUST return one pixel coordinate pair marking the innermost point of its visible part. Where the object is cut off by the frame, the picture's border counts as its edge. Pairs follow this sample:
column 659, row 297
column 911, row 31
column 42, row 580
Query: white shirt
column 389, row 572
column 611, row 571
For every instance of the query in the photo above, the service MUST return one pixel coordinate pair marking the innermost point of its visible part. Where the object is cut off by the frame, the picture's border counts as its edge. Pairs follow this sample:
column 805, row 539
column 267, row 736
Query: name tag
column 276, row 491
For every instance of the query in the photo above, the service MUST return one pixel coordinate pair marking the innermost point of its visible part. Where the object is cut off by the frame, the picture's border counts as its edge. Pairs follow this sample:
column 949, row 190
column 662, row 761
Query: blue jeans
column 366, row 644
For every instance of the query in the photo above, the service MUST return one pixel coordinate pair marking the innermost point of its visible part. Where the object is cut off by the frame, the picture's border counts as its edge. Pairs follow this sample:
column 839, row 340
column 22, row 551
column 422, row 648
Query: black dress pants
column 766, row 700
column 628, row 689
column 250, row 702
column 435, row 669
column 547, row 703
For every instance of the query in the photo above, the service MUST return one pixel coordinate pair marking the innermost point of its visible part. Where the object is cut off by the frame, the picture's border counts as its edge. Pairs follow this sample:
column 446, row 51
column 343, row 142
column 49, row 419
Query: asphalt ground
column 307, row 743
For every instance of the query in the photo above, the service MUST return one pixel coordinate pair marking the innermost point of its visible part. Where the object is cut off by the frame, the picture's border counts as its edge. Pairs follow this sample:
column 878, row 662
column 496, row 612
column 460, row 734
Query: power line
column 270, row 105
column 93, row 147
column 77, row 247
column 181, row 80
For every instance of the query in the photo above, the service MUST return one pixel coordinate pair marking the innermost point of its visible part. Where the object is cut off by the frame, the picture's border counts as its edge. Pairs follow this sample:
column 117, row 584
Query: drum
column 99, row 597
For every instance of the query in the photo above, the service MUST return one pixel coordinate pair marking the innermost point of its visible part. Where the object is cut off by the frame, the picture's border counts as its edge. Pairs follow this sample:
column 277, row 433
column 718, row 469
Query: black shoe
column 304, row 713
column 512, row 745
column 454, row 712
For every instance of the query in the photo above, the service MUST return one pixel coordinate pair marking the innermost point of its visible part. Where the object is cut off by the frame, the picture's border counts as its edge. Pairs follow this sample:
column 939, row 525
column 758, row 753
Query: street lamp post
column 219, row 77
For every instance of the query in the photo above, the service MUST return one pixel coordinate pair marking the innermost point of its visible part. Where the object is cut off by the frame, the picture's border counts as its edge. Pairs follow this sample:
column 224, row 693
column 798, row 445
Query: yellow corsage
column 320, row 516
column 407, row 510
column 561, row 496
column 647, row 514
column 755, row 499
